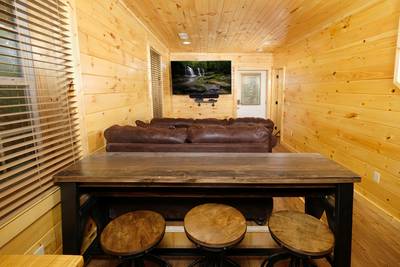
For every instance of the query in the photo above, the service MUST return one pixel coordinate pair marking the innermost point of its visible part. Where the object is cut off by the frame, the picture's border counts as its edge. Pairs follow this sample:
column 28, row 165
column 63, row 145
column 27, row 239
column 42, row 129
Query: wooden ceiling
column 234, row 25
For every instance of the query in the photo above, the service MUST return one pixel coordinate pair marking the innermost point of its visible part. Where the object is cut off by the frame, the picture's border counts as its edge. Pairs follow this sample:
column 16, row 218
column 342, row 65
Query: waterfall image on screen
column 201, row 77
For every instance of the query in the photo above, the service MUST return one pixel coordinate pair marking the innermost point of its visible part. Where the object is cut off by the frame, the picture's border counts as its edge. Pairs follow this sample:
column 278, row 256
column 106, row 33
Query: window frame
column 26, row 79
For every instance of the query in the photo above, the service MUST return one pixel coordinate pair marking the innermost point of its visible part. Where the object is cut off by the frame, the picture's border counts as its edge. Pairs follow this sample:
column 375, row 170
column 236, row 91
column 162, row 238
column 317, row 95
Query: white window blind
column 156, row 83
column 39, row 132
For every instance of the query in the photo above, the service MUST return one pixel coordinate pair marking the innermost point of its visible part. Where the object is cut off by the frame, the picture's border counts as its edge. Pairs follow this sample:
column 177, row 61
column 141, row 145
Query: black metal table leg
column 313, row 206
column 70, row 218
column 343, row 226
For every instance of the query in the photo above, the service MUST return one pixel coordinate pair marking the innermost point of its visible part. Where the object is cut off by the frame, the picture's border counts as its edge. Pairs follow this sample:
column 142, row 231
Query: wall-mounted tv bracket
column 200, row 99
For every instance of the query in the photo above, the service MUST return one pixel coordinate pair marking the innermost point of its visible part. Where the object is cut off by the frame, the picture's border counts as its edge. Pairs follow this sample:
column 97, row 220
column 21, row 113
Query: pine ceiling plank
column 254, row 20
column 264, row 35
column 226, row 17
column 237, row 25
column 165, row 11
column 188, row 21
column 145, row 12
column 262, row 22
column 184, row 23
column 201, row 8
column 214, row 8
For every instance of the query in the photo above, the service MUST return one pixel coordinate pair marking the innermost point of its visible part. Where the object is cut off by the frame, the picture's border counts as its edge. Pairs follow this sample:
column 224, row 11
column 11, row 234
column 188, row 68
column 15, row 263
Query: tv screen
column 201, row 77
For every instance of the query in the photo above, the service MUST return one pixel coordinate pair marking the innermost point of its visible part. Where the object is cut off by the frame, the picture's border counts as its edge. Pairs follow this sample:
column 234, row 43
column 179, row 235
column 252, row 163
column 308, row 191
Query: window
column 156, row 83
column 38, row 122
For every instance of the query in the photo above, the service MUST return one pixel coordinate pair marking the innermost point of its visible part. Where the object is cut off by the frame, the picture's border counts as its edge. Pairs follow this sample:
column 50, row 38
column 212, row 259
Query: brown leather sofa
column 188, row 135
column 182, row 122
column 192, row 138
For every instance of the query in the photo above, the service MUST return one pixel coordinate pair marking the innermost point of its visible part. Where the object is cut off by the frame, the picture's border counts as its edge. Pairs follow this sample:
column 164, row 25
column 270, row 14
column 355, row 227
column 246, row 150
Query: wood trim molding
column 396, row 75
column 78, row 76
column 24, row 219
column 287, row 146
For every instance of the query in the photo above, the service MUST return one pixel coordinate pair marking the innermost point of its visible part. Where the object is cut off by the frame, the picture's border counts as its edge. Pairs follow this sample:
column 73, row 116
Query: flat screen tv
column 201, row 77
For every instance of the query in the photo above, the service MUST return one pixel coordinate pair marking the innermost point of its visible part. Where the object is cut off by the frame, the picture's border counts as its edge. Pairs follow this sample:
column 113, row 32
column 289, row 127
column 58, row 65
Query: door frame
column 268, row 91
column 150, row 85
column 277, row 94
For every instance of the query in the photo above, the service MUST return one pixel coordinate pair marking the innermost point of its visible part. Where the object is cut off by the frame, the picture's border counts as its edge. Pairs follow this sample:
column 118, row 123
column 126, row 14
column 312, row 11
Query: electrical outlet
column 39, row 250
column 376, row 177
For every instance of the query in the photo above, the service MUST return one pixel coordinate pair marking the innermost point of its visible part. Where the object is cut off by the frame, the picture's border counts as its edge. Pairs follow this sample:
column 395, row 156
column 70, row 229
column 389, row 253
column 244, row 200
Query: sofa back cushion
column 251, row 121
column 211, row 121
column 231, row 134
column 130, row 134
column 142, row 124
column 167, row 122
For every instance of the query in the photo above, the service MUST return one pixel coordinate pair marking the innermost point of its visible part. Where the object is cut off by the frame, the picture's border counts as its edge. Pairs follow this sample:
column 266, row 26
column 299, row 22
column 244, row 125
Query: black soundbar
column 202, row 96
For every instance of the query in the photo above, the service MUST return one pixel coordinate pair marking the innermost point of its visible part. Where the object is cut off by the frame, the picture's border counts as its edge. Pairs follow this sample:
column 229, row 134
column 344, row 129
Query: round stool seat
column 215, row 225
column 133, row 233
column 301, row 233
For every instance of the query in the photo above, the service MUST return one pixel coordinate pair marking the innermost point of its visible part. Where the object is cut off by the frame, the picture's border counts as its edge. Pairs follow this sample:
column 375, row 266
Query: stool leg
column 231, row 262
column 292, row 262
column 158, row 260
column 308, row 263
column 124, row 263
column 297, row 262
column 198, row 261
column 271, row 260
column 138, row 262
column 264, row 262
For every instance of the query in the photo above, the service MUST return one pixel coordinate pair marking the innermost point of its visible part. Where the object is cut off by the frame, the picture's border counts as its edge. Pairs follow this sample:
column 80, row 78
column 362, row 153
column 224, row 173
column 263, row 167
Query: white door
column 251, row 93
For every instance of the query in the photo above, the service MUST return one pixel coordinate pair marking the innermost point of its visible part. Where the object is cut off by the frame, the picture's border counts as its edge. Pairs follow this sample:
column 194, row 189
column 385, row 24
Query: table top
column 41, row 261
column 206, row 169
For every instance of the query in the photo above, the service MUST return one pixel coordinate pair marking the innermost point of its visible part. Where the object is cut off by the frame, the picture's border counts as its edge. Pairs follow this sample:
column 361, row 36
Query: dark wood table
column 273, row 174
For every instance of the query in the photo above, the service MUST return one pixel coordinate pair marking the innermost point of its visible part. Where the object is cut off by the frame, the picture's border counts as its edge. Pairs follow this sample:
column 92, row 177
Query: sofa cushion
column 130, row 134
column 251, row 120
column 166, row 122
column 210, row 121
column 237, row 134
column 142, row 124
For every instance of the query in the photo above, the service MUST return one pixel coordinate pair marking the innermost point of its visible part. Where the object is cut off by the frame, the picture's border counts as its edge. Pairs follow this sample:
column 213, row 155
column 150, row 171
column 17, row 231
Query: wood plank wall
column 340, row 99
column 38, row 226
column 184, row 107
column 114, row 50
column 114, row 57
column 46, row 232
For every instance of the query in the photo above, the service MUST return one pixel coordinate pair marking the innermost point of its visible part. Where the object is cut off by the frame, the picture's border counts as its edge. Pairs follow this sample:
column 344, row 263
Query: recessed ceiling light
column 186, row 42
column 183, row 35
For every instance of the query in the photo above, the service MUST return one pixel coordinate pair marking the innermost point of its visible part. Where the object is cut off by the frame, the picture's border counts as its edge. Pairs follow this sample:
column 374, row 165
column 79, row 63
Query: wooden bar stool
column 302, row 236
column 214, row 228
column 132, row 236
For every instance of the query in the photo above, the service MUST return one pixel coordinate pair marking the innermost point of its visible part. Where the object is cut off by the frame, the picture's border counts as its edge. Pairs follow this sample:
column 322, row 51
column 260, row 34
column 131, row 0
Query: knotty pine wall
column 114, row 59
column 113, row 72
column 185, row 107
column 340, row 99
column 40, row 225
